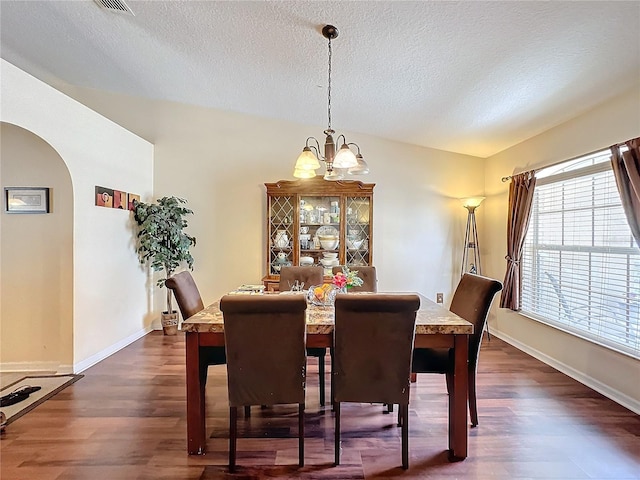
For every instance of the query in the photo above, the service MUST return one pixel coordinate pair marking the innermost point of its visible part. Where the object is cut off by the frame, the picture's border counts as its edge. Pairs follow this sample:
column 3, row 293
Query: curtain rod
column 509, row 177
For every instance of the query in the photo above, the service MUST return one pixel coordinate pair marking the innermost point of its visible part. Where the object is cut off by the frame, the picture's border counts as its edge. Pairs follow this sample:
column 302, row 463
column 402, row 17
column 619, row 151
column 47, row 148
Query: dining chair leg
column 331, row 378
column 400, row 419
column 473, row 407
column 449, row 380
column 321, row 374
column 233, row 433
column 301, row 434
column 405, row 435
column 336, row 406
column 247, row 411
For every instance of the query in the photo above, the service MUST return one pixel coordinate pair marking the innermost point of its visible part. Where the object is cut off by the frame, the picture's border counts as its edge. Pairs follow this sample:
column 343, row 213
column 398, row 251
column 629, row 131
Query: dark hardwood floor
column 126, row 420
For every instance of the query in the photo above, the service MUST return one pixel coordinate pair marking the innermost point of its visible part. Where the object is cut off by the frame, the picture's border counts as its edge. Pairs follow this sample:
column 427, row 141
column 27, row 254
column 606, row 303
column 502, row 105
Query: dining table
column 436, row 327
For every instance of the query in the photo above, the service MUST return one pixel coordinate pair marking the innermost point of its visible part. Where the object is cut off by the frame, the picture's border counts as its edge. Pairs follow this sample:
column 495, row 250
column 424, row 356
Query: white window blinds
column 581, row 266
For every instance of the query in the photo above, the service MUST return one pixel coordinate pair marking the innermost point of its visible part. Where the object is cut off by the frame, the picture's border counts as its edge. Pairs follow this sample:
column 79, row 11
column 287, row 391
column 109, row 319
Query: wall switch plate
column 439, row 298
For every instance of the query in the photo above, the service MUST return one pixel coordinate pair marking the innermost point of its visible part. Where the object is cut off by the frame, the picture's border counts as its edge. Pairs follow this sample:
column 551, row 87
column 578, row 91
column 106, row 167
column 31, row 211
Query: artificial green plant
column 162, row 241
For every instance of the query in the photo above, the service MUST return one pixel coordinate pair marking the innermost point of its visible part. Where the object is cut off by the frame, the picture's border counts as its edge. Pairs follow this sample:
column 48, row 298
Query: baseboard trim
column 611, row 393
column 29, row 367
column 107, row 352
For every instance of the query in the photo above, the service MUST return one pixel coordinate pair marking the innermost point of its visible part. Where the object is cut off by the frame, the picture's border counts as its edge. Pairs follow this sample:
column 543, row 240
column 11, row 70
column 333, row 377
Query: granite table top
column 431, row 319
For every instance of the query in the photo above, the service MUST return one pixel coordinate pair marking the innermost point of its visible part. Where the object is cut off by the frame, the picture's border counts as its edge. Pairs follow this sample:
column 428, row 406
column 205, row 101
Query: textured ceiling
column 473, row 77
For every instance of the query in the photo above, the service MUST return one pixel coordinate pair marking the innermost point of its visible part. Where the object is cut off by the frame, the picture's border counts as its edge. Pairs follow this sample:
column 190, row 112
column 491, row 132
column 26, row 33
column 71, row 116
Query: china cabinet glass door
column 281, row 232
column 358, row 232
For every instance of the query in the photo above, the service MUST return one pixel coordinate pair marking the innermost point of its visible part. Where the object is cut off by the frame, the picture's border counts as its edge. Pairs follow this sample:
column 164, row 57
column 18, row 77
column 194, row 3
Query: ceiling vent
column 115, row 6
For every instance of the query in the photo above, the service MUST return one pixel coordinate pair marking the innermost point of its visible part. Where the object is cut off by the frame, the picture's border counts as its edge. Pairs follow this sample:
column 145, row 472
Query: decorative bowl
column 330, row 255
column 306, row 261
column 328, row 244
column 322, row 295
column 330, row 262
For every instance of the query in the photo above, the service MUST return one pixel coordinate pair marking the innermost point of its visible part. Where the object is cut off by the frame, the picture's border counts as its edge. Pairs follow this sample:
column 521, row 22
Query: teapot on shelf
column 282, row 239
column 282, row 260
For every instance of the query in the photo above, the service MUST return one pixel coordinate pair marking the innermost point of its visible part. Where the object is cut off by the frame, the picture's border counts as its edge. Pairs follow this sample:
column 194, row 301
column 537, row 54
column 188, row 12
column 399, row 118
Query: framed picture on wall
column 132, row 197
column 26, row 199
column 104, row 197
column 120, row 200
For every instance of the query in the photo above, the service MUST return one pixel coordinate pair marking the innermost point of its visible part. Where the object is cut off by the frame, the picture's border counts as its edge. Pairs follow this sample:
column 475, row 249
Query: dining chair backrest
column 266, row 363
column 265, row 346
column 471, row 301
column 373, row 339
column 307, row 275
column 368, row 276
column 373, row 346
column 186, row 293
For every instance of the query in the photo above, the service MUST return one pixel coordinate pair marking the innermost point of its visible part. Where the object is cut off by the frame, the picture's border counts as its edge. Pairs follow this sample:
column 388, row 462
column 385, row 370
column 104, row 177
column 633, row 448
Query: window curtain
column 520, row 200
column 626, row 169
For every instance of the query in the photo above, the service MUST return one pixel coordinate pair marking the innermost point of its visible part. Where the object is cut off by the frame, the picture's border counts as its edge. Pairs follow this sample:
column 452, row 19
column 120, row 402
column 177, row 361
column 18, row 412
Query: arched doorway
column 36, row 259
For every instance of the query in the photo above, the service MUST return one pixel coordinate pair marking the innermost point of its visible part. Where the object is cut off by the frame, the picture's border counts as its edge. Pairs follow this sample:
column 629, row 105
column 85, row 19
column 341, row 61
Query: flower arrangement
column 346, row 279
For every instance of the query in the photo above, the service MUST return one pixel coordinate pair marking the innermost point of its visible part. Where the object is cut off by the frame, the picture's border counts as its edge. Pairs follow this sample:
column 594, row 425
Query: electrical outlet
column 439, row 298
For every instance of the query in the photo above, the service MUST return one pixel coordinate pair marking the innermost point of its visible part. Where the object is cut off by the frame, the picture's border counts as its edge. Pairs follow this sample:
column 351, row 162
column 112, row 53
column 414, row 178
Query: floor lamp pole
column 471, row 261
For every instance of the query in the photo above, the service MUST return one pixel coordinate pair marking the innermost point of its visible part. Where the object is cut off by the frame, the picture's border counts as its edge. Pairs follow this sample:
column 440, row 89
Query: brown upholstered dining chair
column 266, row 361
column 308, row 276
column 471, row 301
column 190, row 302
column 368, row 276
column 373, row 342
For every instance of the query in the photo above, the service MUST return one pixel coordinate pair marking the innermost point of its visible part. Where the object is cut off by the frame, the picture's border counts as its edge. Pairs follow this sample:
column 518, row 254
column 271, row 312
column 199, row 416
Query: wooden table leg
column 196, row 383
column 458, row 401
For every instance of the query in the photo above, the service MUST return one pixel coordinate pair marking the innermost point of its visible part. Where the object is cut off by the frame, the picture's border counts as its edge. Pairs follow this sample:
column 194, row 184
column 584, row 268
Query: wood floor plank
column 126, row 419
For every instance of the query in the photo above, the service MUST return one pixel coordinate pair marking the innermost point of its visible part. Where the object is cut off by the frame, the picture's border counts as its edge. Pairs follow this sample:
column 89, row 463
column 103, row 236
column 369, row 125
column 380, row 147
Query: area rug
column 51, row 385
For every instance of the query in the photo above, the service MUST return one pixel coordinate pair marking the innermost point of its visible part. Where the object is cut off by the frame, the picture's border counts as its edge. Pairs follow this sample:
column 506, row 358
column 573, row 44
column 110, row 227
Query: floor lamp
column 471, row 255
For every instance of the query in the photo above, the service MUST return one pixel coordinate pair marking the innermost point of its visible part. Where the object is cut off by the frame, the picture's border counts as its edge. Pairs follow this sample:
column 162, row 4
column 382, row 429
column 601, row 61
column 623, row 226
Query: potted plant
column 163, row 243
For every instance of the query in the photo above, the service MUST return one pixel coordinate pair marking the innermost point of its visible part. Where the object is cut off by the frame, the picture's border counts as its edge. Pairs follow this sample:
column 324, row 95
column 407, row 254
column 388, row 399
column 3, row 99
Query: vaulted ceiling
column 472, row 77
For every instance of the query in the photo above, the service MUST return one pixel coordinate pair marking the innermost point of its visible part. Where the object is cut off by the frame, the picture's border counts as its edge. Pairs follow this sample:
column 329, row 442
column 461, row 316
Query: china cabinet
column 318, row 222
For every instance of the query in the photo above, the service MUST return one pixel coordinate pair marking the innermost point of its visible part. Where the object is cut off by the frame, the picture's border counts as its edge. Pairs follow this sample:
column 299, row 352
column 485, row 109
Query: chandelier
column 337, row 164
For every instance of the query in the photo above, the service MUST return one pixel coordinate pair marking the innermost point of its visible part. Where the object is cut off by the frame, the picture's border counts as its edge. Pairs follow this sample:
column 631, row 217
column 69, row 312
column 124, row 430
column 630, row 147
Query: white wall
column 111, row 293
column 615, row 375
column 221, row 161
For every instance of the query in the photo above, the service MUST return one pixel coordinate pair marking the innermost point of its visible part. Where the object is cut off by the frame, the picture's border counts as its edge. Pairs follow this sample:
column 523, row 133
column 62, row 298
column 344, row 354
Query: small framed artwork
column 26, row 199
column 120, row 200
column 132, row 197
column 104, row 197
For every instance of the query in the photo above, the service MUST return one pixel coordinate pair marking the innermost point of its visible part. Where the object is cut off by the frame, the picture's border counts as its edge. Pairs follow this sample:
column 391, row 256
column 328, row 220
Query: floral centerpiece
column 324, row 295
column 346, row 279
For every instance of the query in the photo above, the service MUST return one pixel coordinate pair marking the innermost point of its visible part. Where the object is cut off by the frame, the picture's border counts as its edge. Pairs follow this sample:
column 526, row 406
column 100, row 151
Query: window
column 580, row 265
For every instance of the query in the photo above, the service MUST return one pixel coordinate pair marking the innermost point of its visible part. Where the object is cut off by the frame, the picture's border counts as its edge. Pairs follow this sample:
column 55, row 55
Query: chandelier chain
column 329, row 89
column 337, row 155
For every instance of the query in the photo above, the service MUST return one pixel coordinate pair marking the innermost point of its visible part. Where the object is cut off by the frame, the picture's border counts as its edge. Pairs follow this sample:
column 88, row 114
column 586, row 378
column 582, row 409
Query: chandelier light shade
column 339, row 164
column 304, row 173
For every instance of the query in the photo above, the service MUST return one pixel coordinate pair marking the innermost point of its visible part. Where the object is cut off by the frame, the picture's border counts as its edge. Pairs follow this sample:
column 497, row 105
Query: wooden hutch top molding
column 319, row 186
